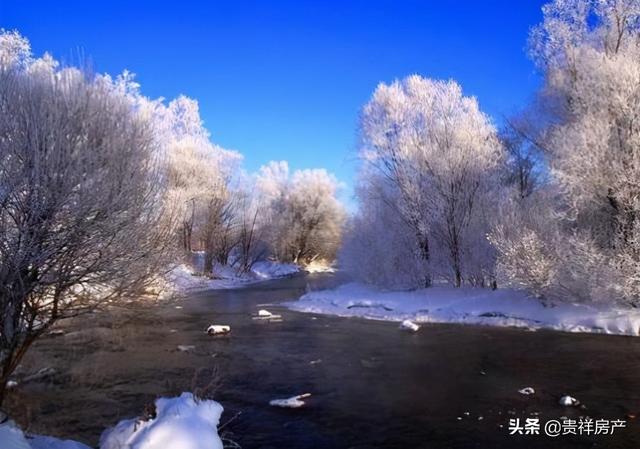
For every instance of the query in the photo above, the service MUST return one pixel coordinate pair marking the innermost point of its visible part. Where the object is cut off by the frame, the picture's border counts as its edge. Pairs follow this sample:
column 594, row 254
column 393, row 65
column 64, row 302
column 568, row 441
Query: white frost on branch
column 430, row 163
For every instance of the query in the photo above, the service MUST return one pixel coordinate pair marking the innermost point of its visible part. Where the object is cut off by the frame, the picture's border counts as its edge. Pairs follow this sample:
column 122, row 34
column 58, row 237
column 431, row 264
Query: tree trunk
column 458, row 277
column 208, row 263
column 423, row 244
column 11, row 362
column 186, row 237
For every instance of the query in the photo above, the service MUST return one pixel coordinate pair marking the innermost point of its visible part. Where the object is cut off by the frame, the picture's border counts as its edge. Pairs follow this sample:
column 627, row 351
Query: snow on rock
column 217, row 329
column 409, row 325
column 266, row 315
column 527, row 391
column 180, row 423
column 441, row 304
column 292, row 402
column 569, row 401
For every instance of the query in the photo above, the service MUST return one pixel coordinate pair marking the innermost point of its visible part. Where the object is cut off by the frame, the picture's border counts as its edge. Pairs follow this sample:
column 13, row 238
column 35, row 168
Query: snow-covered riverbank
column 502, row 307
column 186, row 278
column 178, row 423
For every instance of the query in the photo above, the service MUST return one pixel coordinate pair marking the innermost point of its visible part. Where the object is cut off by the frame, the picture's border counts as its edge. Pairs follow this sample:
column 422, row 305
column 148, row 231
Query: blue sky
column 284, row 80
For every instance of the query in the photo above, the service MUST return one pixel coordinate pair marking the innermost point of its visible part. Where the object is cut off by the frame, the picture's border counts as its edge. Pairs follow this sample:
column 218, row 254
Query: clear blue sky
column 284, row 80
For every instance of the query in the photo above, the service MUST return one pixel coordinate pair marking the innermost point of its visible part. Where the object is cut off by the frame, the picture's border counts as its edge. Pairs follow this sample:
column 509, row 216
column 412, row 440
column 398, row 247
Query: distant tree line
column 103, row 190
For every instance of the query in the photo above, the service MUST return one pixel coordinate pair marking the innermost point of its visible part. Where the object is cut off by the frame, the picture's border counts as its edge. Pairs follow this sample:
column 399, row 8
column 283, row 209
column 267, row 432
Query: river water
column 372, row 385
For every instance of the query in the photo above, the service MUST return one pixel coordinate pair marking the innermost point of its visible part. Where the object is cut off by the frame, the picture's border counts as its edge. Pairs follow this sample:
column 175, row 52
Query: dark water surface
column 371, row 384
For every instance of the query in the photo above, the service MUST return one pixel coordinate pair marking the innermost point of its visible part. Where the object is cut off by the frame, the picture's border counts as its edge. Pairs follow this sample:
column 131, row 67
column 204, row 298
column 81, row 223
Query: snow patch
column 184, row 278
column 180, row 423
column 527, row 391
column 11, row 437
column 271, row 270
column 442, row 304
column 409, row 326
column 217, row 329
column 264, row 314
column 569, row 401
column 292, row 402
column 186, row 348
column 44, row 442
column 319, row 266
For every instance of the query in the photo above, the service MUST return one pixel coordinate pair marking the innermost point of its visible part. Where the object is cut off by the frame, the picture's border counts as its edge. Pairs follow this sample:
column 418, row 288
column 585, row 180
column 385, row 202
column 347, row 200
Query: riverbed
column 372, row 385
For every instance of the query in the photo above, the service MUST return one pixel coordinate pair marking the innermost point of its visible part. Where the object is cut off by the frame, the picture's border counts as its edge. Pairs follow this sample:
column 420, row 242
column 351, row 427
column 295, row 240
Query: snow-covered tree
column 215, row 227
column 379, row 245
column 82, row 197
column 521, row 136
column 200, row 174
column 589, row 52
column 303, row 215
column 251, row 246
column 436, row 156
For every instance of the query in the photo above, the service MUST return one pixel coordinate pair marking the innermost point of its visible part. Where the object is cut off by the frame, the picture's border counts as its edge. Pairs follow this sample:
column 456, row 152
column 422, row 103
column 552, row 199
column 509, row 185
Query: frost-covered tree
column 526, row 238
column 589, row 52
column 200, row 174
column 82, row 197
column 521, row 136
column 436, row 156
column 216, row 225
column 201, row 193
column 251, row 246
column 303, row 215
column 379, row 245
column 192, row 173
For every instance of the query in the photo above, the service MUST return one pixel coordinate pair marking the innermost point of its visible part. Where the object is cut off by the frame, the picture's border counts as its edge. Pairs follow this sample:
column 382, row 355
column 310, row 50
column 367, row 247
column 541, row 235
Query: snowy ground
column 181, row 423
column 185, row 277
column 502, row 307
column 11, row 437
column 319, row 266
